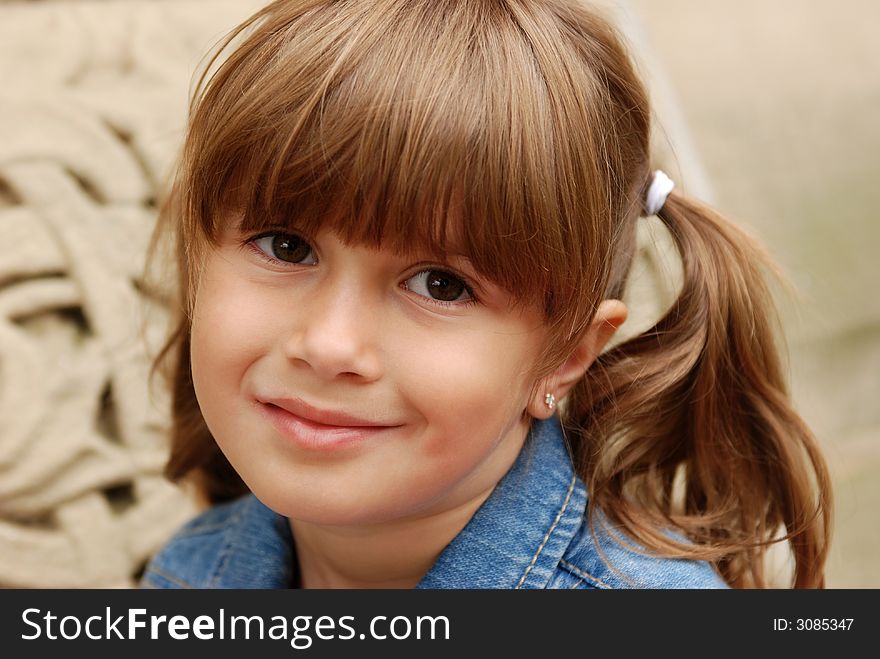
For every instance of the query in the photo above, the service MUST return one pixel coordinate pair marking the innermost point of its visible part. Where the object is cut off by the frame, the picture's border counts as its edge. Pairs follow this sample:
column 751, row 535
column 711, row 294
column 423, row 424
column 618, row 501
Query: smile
column 313, row 429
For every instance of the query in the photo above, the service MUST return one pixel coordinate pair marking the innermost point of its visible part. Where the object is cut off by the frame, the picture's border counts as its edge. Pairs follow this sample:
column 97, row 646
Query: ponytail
column 690, row 425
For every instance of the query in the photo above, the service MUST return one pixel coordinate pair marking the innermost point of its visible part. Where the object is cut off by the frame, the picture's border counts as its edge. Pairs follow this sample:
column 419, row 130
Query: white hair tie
column 660, row 188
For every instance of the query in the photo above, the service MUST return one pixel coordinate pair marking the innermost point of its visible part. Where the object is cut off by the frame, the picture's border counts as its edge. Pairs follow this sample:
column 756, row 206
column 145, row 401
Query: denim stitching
column 549, row 532
column 202, row 529
column 578, row 583
column 175, row 580
column 584, row 575
column 224, row 555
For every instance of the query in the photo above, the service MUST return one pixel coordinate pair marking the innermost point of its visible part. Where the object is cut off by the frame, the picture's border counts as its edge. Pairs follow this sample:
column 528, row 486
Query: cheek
column 229, row 332
column 470, row 388
column 470, row 393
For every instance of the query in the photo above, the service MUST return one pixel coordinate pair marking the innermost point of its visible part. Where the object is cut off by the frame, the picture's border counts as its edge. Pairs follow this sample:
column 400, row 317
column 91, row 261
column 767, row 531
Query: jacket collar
column 520, row 533
column 515, row 540
column 258, row 551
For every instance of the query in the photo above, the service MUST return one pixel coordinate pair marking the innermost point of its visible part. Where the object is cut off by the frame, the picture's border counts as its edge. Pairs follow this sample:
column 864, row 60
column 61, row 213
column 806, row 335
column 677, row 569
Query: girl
column 402, row 231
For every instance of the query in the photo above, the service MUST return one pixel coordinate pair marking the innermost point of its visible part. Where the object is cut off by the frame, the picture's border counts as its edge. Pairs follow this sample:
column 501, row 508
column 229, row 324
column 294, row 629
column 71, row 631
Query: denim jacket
column 531, row 532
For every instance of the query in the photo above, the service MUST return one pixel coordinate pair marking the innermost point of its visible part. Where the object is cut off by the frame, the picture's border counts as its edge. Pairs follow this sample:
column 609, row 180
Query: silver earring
column 550, row 401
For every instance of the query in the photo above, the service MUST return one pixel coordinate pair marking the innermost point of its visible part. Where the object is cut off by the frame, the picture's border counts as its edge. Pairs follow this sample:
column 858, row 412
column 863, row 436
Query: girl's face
column 351, row 386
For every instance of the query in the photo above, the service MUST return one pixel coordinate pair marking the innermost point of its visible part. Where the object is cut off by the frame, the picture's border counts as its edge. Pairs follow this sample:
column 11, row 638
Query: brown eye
column 439, row 285
column 286, row 247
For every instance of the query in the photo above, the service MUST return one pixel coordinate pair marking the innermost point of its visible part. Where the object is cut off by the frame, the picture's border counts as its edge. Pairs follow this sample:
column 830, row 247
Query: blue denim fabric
column 530, row 533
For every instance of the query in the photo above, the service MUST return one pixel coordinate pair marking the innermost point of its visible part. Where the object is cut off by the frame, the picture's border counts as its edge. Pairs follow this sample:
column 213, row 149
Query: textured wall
column 92, row 103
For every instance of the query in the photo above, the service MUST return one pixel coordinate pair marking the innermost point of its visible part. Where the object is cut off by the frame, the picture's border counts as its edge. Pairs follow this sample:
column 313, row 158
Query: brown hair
column 522, row 126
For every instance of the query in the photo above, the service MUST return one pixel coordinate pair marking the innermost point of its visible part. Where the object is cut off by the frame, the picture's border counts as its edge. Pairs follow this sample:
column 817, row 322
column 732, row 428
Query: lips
column 306, row 412
column 313, row 428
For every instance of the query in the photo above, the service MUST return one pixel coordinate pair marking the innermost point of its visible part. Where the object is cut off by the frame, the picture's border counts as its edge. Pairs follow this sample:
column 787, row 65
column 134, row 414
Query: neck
column 393, row 555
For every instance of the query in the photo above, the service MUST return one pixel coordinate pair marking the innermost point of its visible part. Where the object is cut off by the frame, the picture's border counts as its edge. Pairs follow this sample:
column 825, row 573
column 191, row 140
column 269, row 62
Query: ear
column 610, row 315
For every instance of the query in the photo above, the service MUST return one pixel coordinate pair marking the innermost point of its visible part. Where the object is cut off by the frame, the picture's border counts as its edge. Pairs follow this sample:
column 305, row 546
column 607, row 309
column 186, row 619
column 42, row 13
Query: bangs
column 412, row 126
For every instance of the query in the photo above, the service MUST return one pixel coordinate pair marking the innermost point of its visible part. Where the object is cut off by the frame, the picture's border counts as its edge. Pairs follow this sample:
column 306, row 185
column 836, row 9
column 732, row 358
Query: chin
column 351, row 511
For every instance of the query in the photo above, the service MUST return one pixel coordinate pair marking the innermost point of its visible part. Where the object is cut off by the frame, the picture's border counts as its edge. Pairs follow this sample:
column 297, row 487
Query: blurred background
column 767, row 109
column 781, row 106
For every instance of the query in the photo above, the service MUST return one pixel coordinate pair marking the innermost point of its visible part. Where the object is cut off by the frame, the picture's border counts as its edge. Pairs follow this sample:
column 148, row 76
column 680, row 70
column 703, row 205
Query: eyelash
column 251, row 243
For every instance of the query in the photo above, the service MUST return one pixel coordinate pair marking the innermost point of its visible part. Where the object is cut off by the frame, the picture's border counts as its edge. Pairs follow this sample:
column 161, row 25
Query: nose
column 336, row 330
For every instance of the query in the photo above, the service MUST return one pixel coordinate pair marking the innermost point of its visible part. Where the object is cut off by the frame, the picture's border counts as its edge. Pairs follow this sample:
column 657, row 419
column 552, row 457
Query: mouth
column 312, row 428
column 323, row 416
